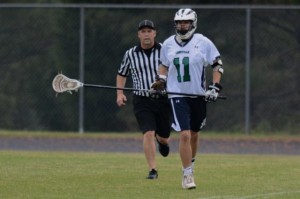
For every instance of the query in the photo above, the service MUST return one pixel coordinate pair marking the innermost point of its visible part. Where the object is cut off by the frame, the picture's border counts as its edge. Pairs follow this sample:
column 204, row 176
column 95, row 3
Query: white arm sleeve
column 163, row 55
column 212, row 52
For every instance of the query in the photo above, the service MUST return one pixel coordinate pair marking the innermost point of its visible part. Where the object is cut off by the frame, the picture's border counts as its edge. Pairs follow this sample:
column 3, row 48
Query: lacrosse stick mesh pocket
column 62, row 84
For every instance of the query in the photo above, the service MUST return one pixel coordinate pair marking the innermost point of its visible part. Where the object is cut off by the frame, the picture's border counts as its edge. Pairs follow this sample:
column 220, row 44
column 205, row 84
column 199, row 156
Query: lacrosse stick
column 62, row 84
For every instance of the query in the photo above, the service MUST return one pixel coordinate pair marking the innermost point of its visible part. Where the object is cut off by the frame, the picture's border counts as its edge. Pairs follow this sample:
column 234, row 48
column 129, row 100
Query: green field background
column 86, row 175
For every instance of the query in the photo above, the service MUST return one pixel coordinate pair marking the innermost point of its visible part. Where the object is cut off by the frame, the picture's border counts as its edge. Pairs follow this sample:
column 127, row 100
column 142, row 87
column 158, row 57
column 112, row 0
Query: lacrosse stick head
column 61, row 84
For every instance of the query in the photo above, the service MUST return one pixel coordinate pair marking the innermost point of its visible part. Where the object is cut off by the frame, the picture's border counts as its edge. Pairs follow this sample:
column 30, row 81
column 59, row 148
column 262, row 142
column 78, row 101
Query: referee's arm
column 120, row 83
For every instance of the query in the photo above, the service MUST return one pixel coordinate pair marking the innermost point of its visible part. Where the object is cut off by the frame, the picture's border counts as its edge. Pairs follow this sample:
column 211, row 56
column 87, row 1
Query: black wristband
column 215, row 86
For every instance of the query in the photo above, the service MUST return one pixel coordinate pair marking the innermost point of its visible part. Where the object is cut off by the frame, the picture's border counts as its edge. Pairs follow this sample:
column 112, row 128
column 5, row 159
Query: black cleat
column 164, row 149
column 152, row 174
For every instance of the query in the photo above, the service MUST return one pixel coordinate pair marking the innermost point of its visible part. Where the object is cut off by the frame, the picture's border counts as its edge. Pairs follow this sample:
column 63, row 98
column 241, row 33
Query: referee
column 153, row 115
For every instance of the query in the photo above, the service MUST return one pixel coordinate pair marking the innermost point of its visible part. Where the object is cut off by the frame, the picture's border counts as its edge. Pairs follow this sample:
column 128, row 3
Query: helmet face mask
column 185, row 15
column 183, row 27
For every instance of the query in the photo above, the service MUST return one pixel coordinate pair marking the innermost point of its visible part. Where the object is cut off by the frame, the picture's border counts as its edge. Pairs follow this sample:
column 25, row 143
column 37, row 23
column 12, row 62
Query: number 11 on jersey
column 186, row 69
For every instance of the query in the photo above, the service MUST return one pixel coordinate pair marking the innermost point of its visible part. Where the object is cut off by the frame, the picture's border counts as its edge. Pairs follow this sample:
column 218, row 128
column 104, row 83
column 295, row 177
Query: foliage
column 37, row 43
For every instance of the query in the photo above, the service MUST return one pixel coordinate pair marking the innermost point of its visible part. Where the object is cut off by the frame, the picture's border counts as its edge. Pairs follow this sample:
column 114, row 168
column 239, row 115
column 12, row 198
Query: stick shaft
column 133, row 89
column 113, row 87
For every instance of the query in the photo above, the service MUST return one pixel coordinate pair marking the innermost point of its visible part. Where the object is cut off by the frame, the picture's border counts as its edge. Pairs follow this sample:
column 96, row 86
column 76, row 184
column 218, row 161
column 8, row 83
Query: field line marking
column 252, row 196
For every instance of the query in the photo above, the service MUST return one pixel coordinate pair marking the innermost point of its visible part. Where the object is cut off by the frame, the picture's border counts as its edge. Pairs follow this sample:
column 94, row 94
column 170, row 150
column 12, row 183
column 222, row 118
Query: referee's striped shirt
column 143, row 67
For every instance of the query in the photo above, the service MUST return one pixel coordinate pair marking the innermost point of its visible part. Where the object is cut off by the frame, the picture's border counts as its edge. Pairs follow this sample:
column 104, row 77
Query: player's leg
column 181, row 114
column 194, row 144
column 185, row 149
column 198, row 119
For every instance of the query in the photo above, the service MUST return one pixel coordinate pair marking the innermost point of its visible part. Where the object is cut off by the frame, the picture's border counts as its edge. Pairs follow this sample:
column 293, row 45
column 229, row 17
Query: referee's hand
column 121, row 99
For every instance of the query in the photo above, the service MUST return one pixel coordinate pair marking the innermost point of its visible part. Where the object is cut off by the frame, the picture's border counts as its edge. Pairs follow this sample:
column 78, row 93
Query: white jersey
column 186, row 64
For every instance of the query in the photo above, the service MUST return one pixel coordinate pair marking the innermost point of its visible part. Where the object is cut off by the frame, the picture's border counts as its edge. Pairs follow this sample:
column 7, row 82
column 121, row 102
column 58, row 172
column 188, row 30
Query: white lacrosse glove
column 212, row 92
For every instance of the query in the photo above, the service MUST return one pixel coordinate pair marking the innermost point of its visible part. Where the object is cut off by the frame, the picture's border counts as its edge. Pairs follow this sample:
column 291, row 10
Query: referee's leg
column 145, row 119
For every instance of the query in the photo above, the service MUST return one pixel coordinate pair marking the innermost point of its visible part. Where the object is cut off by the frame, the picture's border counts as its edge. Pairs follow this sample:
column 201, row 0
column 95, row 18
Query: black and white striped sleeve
column 125, row 65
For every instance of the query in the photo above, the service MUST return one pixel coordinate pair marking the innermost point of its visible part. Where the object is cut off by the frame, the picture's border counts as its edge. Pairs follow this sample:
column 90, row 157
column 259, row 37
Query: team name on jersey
column 182, row 51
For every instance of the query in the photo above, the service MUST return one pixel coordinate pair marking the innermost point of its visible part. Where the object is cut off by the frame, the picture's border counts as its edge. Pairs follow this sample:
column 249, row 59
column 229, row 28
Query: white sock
column 188, row 170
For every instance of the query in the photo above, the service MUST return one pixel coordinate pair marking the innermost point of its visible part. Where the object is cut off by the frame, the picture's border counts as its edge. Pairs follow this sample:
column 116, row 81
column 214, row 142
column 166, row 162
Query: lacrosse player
column 184, row 57
column 153, row 115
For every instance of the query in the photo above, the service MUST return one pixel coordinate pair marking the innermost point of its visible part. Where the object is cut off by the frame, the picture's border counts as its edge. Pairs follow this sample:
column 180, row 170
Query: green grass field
column 85, row 175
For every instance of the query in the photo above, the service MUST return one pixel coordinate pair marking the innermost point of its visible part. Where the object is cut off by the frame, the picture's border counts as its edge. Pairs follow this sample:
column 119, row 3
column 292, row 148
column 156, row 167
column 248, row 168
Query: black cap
column 146, row 23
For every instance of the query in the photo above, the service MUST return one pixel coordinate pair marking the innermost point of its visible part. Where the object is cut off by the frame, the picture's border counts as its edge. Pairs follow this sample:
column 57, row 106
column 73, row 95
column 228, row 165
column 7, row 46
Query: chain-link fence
column 260, row 49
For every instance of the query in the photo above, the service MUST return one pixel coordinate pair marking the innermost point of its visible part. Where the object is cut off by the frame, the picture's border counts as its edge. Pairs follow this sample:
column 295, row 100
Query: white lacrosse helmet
column 186, row 14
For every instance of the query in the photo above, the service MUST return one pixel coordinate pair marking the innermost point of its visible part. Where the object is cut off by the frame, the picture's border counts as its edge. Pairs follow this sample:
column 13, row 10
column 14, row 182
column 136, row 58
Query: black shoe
column 164, row 149
column 152, row 174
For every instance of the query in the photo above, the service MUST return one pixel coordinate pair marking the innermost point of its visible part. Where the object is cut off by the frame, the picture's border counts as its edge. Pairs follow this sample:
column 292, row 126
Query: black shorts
column 153, row 115
column 188, row 113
